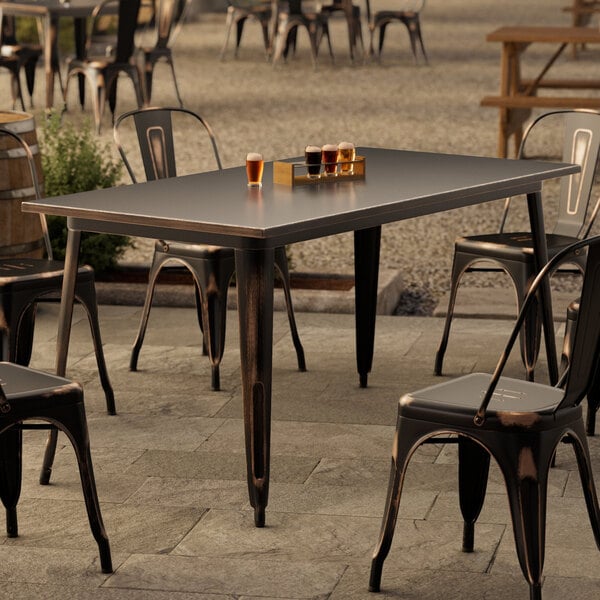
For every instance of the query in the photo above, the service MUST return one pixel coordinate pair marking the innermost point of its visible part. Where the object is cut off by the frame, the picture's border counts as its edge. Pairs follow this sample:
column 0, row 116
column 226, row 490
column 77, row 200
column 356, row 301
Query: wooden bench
column 515, row 110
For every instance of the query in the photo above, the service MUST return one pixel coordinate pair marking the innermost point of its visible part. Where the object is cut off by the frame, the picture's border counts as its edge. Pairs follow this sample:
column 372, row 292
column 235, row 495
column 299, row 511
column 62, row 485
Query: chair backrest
column 169, row 17
column 120, row 46
column 586, row 343
column 156, row 140
column 581, row 145
column 26, row 152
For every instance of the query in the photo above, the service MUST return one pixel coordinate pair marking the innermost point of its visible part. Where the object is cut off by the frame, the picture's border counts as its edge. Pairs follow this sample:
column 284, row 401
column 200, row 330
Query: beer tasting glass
column 345, row 155
column 312, row 157
column 329, row 159
column 254, row 169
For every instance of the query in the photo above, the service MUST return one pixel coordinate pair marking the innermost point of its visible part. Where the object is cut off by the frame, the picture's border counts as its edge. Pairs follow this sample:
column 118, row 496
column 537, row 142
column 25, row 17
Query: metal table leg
column 254, row 276
column 366, row 272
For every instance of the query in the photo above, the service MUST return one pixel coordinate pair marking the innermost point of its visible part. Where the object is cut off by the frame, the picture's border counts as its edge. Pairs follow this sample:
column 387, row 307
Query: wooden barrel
column 20, row 233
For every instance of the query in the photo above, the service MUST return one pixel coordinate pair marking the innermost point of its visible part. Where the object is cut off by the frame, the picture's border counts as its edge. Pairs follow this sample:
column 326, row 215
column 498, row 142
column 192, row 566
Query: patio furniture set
column 215, row 225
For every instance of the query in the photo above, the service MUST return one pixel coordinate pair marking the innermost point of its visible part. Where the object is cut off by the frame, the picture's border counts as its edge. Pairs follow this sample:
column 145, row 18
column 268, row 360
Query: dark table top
column 217, row 207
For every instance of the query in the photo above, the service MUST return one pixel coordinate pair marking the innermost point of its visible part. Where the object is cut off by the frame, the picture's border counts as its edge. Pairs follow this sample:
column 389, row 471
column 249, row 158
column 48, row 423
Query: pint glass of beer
column 312, row 158
column 346, row 154
column 254, row 169
column 329, row 158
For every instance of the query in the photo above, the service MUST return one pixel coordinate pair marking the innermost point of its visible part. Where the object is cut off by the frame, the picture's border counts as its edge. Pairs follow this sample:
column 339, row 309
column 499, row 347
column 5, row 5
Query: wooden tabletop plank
column 552, row 35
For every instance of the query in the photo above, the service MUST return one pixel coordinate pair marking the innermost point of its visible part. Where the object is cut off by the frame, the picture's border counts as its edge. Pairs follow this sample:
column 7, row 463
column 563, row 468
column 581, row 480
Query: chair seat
column 193, row 250
column 515, row 401
column 26, row 270
column 516, row 246
column 24, row 384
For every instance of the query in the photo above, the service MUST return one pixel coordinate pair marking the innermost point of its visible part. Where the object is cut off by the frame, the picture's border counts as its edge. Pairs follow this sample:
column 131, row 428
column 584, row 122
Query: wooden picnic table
column 518, row 96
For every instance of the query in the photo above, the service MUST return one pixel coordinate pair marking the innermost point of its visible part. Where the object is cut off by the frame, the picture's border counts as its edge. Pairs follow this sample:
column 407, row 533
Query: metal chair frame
column 24, row 282
column 512, row 252
column 290, row 17
column 168, row 22
column 211, row 266
column 102, row 72
column 410, row 17
column 519, row 423
column 238, row 14
column 26, row 394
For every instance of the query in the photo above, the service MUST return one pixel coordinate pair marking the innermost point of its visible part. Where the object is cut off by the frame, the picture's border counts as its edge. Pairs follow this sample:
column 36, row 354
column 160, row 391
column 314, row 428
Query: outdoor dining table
column 49, row 12
column 218, row 208
column 519, row 95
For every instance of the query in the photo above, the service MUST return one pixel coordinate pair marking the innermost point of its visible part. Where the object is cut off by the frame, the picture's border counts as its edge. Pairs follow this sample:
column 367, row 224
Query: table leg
column 366, row 272
column 50, row 49
column 254, row 276
column 64, row 334
column 80, row 39
column 536, row 219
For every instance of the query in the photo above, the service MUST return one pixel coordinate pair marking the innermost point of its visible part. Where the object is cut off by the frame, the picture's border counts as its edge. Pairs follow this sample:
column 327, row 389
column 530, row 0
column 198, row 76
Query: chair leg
column 525, row 467
column 228, row 26
column 86, row 294
column 11, row 442
column 157, row 263
column 239, row 30
column 382, row 29
column 21, row 336
column 459, row 265
column 473, row 468
column 170, row 61
column 282, row 266
column 593, row 399
column 586, row 475
column 213, row 283
column 49, row 454
column 74, row 425
column 402, row 450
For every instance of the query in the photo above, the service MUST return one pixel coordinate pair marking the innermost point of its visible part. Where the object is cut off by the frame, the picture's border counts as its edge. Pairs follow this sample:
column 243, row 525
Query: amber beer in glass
column 329, row 154
column 254, row 169
column 312, row 158
column 346, row 154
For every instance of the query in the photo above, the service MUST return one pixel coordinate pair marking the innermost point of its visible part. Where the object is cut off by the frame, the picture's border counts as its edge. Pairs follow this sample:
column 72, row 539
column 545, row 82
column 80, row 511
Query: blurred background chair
column 238, row 12
column 519, row 423
column 26, row 394
column 17, row 57
column 212, row 267
column 290, row 16
column 593, row 395
column 24, row 282
column 102, row 70
column 351, row 13
column 512, row 252
column 409, row 15
column 169, row 16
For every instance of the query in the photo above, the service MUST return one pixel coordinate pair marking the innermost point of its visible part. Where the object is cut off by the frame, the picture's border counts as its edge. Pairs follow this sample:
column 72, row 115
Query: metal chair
column 353, row 20
column 517, row 422
column 593, row 395
column 409, row 15
column 26, row 394
column 169, row 16
column 238, row 13
column 24, row 282
column 17, row 56
column 102, row 71
column 290, row 16
column 211, row 266
column 512, row 251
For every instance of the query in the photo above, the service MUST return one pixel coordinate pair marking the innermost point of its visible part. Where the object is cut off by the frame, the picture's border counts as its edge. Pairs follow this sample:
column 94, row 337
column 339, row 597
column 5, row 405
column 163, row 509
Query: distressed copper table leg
column 536, row 219
column 366, row 272
column 64, row 333
column 254, row 276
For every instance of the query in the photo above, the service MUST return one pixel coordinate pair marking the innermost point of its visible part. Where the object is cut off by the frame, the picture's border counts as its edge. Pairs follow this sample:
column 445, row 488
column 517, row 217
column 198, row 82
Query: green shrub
column 73, row 161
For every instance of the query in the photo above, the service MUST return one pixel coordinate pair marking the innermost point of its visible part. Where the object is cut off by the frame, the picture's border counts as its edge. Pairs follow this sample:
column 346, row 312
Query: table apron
column 292, row 234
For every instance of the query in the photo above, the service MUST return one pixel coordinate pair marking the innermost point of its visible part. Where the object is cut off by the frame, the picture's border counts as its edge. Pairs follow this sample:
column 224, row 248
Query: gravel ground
column 395, row 103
